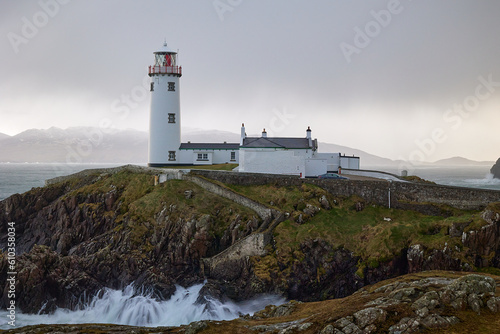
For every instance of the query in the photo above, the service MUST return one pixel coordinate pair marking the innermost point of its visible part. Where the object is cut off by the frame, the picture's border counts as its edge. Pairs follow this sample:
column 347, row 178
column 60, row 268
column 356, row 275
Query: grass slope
column 375, row 233
column 140, row 201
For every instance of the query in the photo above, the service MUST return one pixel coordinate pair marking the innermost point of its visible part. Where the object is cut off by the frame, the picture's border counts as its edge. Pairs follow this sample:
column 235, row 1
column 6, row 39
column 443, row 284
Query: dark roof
column 276, row 142
column 210, row 146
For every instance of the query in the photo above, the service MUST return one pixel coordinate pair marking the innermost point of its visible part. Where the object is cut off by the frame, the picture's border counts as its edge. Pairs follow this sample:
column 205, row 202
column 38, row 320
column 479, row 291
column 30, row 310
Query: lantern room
column 165, row 62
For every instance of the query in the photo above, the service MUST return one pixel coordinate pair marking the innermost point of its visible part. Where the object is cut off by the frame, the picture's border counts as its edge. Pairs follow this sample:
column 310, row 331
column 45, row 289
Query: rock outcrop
column 111, row 230
column 495, row 170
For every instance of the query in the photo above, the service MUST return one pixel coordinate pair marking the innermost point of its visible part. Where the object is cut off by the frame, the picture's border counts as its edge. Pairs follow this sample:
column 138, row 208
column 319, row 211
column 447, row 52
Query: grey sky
column 283, row 65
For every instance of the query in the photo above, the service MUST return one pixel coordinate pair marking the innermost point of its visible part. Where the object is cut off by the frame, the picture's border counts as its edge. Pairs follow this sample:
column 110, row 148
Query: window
column 171, row 118
column 171, row 86
column 152, row 87
column 171, row 155
column 233, row 156
column 202, row 157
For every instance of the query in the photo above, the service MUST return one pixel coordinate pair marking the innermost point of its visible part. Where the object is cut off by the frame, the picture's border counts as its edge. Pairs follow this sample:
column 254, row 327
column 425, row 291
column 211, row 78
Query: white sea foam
column 486, row 182
column 128, row 308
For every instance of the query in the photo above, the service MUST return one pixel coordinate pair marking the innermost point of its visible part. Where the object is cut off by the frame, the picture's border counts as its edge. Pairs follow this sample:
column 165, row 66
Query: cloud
column 261, row 57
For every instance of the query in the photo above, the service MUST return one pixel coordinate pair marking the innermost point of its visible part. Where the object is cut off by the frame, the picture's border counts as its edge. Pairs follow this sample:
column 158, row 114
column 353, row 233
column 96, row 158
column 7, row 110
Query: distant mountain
column 88, row 144
column 75, row 145
column 459, row 161
column 366, row 159
column 3, row 136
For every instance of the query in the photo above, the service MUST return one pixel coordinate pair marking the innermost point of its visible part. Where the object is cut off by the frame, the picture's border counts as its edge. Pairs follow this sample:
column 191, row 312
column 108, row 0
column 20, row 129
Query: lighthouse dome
column 165, row 49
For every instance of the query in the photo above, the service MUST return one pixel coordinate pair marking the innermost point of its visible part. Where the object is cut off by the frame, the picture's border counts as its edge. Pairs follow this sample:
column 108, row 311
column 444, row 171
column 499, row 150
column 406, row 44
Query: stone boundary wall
column 385, row 193
column 458, row 197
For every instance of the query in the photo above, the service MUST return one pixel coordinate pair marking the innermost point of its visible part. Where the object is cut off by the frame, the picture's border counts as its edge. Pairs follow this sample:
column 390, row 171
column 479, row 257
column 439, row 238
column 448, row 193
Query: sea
column 137, row 308
column 473, row 176
column 130, row 307
column 21, row 177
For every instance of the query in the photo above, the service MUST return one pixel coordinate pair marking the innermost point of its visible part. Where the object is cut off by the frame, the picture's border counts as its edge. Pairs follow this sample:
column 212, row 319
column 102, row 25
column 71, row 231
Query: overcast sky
column 401, row 79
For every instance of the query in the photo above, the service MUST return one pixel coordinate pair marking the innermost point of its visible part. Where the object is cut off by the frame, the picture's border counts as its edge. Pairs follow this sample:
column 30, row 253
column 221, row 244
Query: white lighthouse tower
column 165, row 118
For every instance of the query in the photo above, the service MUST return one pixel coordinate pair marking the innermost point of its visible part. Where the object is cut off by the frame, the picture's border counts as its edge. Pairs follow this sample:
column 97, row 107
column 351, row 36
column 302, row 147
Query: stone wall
column 404, row 195
column 458, row 197
column 394, row 194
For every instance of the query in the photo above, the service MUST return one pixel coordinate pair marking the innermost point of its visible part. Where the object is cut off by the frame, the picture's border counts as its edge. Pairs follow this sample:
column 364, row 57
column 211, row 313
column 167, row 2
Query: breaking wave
column 488, row 182
column 126, row 307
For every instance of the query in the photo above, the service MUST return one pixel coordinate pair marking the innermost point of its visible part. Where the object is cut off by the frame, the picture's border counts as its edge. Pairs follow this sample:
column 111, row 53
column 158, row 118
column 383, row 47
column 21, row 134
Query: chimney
column 243, row 134
column 264, row 133
column 308, row 136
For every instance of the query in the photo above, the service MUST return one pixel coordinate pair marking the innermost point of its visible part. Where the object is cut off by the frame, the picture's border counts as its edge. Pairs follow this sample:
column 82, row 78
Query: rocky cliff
column 495, row 170
column 113, row 228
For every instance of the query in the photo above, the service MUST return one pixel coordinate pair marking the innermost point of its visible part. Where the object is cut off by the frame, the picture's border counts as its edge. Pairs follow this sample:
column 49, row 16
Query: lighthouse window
column 171, row 155
column 152, row 87
column 233, row 156
column 171, row 118
column 171, row 86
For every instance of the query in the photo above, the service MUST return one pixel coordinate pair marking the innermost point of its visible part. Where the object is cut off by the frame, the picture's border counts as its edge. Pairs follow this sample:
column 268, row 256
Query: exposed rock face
column 485, row 242
column 482, row 247
column 421, row 258
column 76, row 237
column 430, row 298
column 72, row 242
column 323, row 272
column 495, row 170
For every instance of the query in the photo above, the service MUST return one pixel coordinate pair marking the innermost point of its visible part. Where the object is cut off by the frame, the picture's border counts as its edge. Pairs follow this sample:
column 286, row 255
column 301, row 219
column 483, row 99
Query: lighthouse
column 276, row 155
column 165, row 118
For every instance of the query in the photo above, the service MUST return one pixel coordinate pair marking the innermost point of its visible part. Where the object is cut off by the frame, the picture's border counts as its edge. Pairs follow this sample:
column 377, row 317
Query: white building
column 291, row 156
column 274, row 155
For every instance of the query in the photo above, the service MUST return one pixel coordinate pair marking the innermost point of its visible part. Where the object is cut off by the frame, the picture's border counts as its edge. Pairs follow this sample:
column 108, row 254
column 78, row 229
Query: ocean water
column 127, row 307
column 21, row 177
column 458, row 176
column 473, row 177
